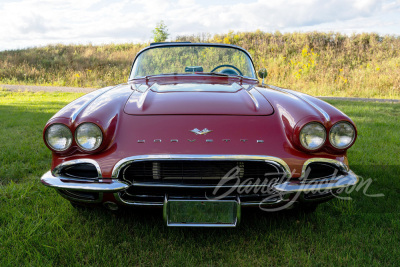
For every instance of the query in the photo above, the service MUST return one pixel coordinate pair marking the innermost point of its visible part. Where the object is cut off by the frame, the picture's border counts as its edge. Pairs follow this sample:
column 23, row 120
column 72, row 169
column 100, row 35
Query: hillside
column 329, row 64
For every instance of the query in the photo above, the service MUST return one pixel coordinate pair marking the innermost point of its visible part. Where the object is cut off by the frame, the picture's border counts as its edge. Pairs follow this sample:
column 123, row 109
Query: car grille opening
column 200, row 172
column 80, row 171
column 321, row 170
column 151, row 181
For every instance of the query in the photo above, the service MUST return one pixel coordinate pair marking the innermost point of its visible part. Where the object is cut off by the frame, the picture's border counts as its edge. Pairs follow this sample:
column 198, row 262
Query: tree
column 160, row 33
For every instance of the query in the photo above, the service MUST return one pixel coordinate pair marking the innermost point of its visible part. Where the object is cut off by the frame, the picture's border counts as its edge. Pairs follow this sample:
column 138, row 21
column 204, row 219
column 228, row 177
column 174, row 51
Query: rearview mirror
column 262, row 73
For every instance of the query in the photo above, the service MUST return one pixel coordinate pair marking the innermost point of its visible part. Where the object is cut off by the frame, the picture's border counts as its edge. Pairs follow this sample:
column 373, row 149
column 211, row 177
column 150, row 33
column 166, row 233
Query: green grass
column 38, row 227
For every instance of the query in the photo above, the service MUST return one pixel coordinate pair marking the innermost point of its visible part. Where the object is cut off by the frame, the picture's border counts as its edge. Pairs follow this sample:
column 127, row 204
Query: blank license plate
column 201, row 213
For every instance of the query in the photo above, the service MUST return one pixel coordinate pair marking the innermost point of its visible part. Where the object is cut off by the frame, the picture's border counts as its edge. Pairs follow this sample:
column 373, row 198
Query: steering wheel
column 229, row 66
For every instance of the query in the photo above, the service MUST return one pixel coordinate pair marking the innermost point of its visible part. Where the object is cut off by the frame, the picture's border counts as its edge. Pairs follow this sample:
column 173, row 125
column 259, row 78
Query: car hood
column 198, row 99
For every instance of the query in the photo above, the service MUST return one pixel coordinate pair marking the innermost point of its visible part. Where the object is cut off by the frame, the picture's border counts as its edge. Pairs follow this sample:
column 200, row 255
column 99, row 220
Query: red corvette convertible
column 193, row 132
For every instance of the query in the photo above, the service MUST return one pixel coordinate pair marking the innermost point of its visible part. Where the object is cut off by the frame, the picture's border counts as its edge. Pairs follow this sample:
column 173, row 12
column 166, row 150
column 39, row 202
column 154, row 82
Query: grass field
column 39, row 228
column 317, row 63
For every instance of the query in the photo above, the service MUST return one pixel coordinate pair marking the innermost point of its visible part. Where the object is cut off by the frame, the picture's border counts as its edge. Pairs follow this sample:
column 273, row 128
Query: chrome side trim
column 57, row 170
column 274, row 160
column 340, row 165
column 100, row 92
column 323, row 184
column 319, row 109
column 69, row 184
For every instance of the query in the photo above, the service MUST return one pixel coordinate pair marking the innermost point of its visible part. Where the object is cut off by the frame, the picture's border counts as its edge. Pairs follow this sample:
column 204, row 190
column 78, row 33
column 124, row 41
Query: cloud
column 27, row 23
column 34, row 24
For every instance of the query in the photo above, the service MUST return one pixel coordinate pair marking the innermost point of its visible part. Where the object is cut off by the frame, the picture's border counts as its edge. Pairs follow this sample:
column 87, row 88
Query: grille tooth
column 241, row 166
column 156, row 171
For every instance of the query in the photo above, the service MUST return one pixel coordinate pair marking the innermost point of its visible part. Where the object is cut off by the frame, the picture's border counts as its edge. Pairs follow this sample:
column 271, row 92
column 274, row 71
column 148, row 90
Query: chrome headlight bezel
column 97, row 143
column 69, row 138
column 313, row 126
column 334, row 128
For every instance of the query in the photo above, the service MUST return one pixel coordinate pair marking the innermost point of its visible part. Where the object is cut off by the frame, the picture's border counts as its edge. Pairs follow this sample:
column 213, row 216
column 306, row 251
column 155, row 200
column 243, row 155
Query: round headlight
column 342, row 134
column 58, row 137
column 312, row 135
column 88, row 136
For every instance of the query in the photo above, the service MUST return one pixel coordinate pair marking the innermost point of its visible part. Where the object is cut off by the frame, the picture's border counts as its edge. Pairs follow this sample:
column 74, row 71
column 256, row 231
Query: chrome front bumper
column 116, row 186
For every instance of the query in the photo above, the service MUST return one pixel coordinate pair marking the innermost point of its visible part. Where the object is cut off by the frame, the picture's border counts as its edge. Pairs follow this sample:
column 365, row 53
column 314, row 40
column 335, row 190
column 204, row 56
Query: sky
column 29, row 23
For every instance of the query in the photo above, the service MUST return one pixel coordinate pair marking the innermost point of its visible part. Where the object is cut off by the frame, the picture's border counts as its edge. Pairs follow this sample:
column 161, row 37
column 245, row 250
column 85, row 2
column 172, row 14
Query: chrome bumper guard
column 338, row 182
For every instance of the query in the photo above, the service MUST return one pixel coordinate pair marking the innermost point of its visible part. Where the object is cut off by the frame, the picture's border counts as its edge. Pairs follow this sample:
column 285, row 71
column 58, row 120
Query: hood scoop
column 198, row 99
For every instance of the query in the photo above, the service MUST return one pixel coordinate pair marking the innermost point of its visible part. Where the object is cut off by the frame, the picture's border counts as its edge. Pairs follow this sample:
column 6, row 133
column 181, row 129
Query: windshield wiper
column 215, row 73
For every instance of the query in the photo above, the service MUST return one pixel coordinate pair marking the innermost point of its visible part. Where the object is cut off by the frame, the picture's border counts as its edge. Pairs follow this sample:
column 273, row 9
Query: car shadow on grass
column 142, row 218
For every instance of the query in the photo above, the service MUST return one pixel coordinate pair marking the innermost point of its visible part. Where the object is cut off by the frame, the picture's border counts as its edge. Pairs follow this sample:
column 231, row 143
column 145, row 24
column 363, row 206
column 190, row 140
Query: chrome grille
column 203, row 172
column 152, row 180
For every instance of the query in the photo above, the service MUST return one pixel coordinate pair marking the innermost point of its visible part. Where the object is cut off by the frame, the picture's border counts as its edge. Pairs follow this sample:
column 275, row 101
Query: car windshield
column 192, row 59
